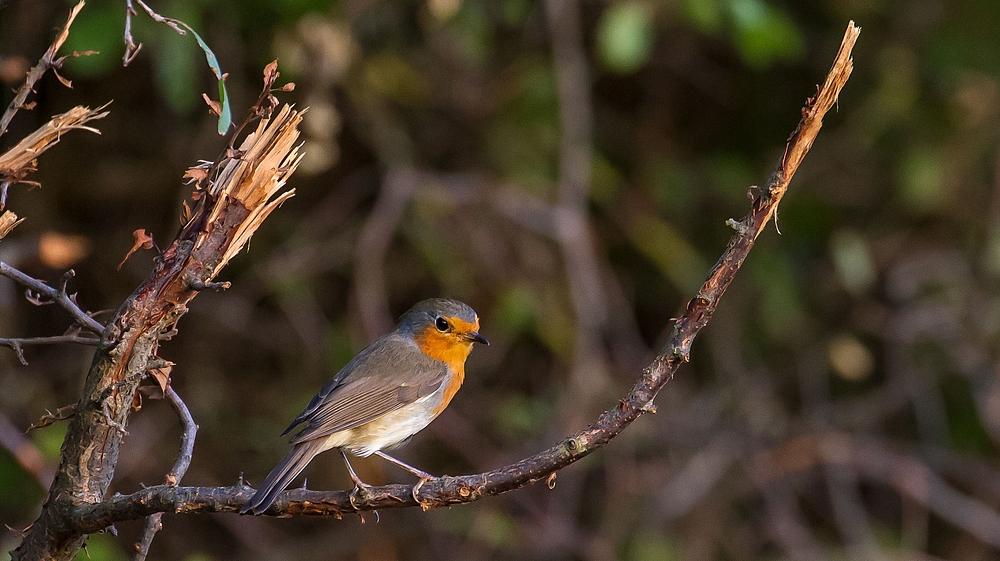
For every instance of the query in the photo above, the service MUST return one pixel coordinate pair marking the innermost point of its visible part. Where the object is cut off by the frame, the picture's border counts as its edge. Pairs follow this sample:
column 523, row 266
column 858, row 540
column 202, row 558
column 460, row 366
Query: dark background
column 844, row 402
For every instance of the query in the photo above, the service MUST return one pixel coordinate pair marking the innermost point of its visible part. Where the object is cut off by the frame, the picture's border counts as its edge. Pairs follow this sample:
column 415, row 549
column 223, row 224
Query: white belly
column 389, row 429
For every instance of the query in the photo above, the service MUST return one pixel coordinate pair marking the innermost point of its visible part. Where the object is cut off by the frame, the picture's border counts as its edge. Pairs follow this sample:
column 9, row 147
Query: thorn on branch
column 199, row 285
column 168, row 335
column 19, row 351
column 64, row 281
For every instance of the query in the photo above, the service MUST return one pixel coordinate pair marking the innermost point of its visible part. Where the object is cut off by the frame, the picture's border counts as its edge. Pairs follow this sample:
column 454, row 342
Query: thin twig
column 171, row 22
column 54, row 295
column 447, row 491
column 154, row 522
column 131, row 47
column 17, row 343
column 48, row 61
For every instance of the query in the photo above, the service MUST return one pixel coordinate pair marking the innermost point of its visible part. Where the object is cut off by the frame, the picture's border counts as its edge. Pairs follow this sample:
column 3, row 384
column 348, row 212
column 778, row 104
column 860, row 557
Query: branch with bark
column 231, row 199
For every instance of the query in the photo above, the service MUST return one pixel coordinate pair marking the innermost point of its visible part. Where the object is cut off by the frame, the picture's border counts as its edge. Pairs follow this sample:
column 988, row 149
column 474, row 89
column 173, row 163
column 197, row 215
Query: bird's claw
column 416, row 490
column 361, row 491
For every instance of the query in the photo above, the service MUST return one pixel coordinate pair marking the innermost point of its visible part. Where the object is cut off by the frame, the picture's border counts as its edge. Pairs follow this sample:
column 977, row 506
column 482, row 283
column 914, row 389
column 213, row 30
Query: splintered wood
column 255, row 177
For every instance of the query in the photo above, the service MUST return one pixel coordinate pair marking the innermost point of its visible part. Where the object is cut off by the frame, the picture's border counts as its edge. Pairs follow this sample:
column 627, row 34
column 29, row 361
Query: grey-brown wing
column 384, row 377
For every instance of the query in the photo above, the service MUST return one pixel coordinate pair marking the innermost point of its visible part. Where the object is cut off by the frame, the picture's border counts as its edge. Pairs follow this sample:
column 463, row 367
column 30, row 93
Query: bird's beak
column 476, row 337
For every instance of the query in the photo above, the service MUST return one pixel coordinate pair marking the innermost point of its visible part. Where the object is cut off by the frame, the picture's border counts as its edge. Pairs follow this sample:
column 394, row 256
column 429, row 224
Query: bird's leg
column 359, row 486
column 423, row 475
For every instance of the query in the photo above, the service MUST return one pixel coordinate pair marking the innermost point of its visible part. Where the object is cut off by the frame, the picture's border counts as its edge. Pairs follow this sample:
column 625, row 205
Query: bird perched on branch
column 387, row 393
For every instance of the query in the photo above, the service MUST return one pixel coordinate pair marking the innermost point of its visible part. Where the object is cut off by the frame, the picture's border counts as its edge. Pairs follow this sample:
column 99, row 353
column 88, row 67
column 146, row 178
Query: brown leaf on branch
column 162, row 376
column 214, row 108
column 271, row 72
column 196, row 174
column 142, row 241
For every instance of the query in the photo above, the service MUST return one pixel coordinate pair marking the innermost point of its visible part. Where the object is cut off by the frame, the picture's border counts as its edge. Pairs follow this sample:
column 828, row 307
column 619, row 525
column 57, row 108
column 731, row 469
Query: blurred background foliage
column 568, row 173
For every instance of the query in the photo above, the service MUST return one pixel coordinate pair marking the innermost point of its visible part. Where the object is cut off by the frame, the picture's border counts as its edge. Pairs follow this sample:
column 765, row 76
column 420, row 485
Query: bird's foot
column 425, row 506
column 362, row 491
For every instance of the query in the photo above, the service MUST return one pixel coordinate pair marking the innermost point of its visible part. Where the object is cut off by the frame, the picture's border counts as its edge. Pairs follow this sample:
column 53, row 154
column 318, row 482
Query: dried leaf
column 136, row 401
column 213, row 106
column 290, row 86
column 142, row 241
column 162, row 376
column 49, row 418
column 271, row 72
column 196, row 173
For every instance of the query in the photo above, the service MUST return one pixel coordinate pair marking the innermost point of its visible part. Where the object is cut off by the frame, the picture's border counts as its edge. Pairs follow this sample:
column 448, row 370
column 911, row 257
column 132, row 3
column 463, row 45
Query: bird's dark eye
column 441, row 324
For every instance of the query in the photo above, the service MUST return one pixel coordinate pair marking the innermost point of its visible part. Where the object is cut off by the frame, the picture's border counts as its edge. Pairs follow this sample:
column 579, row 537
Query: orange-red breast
column 387, row 393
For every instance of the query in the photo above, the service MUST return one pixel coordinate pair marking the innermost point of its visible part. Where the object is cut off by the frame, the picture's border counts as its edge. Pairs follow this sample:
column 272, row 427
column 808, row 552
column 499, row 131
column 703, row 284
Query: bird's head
column 444, row 329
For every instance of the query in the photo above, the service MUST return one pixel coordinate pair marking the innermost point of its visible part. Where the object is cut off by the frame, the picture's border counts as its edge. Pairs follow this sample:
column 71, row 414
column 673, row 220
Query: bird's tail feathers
column 282, row 475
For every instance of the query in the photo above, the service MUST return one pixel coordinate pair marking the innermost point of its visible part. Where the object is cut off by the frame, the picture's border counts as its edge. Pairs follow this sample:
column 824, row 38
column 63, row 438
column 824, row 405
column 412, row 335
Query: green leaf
column 226, row 114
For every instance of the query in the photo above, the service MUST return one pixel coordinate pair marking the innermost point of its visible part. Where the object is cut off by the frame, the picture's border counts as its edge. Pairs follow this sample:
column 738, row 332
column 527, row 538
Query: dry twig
column 48, row 61
column 18, row 344
column 53, row 296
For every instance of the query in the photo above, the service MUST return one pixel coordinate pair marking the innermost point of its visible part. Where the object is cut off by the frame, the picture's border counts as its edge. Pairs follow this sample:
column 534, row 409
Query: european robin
column 387, row 393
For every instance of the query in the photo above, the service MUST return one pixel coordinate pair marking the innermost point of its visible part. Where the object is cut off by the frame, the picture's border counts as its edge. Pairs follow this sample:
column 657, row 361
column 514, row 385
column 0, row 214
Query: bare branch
column 54, row 295
column 131, row 48
column 17, row 343
column 154, row 522
column 171, row 22
column 47, row 61
column 446, row 490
